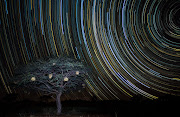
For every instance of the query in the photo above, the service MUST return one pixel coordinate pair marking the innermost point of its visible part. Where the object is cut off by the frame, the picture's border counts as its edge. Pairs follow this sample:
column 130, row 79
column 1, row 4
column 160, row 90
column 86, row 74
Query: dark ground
column 137, row 107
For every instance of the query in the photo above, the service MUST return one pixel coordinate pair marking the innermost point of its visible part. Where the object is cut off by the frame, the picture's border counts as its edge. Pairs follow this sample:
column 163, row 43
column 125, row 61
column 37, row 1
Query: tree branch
column 44, row 84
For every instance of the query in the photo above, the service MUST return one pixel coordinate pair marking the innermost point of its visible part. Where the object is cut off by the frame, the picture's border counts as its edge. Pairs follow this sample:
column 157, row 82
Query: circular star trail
column 133, row 46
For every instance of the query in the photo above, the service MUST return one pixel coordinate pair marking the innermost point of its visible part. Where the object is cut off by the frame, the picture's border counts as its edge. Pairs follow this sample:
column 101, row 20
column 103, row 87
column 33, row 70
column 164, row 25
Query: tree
column 52, row 76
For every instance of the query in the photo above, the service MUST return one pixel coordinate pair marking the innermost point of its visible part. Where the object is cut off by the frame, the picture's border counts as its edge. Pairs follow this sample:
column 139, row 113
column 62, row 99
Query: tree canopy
column 52, row 75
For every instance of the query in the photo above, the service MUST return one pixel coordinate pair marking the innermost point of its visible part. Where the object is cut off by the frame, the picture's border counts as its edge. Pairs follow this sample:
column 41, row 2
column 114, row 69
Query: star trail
column 133, row 46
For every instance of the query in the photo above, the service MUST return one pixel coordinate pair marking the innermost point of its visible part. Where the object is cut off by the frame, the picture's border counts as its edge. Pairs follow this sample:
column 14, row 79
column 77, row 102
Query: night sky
column 133, row 46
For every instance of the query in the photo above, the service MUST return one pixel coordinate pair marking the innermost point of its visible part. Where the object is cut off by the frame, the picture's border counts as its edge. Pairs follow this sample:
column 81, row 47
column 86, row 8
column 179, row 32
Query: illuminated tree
column 52, row 76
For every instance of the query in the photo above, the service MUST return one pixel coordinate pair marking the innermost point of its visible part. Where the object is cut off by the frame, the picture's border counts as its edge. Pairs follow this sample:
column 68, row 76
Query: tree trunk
column 58, row 103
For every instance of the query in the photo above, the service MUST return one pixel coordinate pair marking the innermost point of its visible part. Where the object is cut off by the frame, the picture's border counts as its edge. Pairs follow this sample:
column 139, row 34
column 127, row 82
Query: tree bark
column 58, row 103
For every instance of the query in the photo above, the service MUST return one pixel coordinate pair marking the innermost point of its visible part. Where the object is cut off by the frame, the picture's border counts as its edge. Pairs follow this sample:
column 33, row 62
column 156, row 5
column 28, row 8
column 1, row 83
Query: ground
column 134, row 108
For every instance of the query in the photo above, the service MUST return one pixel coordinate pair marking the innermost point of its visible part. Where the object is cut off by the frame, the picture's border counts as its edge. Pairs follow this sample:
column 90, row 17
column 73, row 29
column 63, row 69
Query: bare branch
column 53, row 97
column 44, row 84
